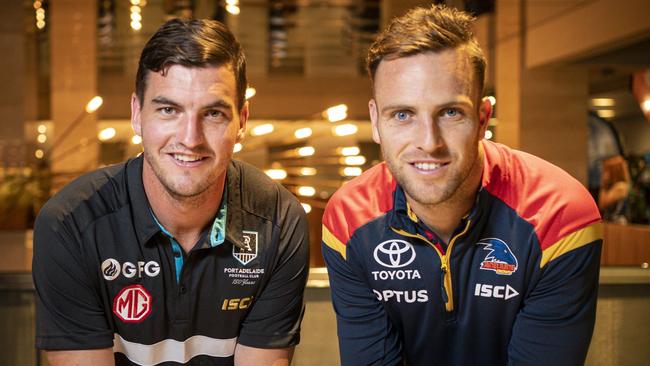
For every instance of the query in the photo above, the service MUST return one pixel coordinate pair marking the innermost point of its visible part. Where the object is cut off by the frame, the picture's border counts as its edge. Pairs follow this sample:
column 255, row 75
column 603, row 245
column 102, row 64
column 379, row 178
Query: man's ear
column 243, row 119
column 484, row 114
column 374, row 120
column 485, row 111
column 136, row 110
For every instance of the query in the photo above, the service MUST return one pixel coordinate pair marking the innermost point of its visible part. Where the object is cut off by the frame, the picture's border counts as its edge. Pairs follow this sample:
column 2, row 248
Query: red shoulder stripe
column 360, row 200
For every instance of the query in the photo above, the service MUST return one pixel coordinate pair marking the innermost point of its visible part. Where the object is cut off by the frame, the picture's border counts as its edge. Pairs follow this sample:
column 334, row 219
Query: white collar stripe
column 170, row 350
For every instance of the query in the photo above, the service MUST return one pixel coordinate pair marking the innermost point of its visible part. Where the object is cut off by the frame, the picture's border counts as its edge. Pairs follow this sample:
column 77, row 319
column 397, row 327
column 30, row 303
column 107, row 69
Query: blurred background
column 569, row 80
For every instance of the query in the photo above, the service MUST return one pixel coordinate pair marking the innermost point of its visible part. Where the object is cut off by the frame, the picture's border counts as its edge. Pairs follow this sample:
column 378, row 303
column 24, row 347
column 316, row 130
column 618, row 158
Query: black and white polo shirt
column 108, row 275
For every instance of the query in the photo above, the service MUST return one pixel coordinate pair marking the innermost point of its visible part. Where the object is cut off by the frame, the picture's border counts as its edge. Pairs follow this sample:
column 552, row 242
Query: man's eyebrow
column 395, row 107
column 165, row 101
column 218, row 104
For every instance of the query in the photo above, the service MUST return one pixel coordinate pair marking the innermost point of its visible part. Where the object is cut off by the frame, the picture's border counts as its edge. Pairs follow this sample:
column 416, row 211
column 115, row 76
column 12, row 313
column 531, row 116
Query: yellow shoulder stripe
column 331, row 241
column 572, row 241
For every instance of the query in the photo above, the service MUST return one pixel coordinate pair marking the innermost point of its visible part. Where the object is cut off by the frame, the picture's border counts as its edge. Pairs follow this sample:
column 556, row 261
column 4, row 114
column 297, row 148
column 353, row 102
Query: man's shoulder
column 359, row 201
column 260, row 195
column 550, row 199
column 87, row 197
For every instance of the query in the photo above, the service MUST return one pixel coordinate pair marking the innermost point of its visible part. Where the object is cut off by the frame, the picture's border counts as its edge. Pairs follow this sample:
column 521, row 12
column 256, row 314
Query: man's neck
column 444, row 218
column 183, row 217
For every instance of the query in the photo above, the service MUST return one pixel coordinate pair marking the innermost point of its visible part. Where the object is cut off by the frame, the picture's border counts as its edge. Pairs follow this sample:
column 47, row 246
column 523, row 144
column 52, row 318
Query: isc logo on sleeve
column 498, row 292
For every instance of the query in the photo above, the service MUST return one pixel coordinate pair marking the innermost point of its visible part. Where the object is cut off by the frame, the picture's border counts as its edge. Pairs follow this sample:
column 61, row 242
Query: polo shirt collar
column 145, row 224
column 235, row 217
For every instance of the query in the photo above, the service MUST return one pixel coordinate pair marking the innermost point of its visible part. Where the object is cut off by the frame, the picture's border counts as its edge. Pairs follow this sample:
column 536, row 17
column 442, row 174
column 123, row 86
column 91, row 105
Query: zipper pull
column 445, row 298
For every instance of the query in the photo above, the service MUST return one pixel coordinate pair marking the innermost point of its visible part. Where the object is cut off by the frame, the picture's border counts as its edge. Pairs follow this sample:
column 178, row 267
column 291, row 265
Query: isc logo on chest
column 236, row 304
column 132, row 304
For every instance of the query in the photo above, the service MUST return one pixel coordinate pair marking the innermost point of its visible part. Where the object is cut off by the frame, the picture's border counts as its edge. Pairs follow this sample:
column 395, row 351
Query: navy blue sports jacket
column 516, row 285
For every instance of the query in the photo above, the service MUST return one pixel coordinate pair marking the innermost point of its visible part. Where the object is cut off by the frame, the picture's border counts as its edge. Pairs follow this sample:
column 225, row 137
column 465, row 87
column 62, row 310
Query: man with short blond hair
column 456, row 250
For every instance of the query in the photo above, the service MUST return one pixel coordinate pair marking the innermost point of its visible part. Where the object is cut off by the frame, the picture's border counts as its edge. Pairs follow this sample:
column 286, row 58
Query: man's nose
column 190, row 131
column 428, row 135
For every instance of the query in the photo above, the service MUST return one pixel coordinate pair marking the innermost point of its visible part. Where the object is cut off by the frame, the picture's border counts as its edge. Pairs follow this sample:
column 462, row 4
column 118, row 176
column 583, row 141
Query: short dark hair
column 192, row 43
column 431, row 29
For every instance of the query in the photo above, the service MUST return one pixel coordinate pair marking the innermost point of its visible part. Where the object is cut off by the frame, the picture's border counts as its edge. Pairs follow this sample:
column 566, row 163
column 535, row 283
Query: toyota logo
column 394, row 253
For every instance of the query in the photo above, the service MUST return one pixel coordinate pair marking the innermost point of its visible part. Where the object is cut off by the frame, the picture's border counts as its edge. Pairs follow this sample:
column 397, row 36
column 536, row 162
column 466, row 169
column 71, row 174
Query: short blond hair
column 433, row 29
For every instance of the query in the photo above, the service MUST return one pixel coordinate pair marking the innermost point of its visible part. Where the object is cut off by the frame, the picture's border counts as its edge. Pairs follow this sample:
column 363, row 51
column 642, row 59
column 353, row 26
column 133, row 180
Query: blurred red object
column 641, row 90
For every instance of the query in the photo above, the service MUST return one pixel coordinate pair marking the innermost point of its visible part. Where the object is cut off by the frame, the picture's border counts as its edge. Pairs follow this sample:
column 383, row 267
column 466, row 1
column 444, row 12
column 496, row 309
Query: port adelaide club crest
column 248, row 251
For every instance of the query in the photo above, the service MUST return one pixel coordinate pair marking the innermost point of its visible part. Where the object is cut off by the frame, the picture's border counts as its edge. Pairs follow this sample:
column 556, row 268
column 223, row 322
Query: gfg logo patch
column 394, row 253
column 111, row 269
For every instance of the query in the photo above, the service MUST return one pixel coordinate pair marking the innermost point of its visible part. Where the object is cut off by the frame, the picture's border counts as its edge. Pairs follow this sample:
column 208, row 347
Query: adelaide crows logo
column 500, row 258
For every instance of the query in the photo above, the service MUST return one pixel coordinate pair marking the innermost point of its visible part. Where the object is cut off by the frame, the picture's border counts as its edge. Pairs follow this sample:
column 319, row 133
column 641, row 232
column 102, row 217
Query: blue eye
column 214, row 114
column 401, row 115
column 452, row 114
column 167, row 111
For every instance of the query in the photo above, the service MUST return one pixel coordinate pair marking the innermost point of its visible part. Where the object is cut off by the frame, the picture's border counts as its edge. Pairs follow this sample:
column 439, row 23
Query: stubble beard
column 171, row 188
column 447, row 193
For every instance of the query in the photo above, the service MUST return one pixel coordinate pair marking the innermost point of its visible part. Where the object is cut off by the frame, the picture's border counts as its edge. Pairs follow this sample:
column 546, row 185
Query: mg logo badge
column 248, row 252
column 394, row 253
column 132, row 304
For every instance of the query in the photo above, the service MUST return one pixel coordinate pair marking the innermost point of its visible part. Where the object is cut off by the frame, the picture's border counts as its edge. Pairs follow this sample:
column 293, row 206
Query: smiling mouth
column 427, row 167
column 188, row 158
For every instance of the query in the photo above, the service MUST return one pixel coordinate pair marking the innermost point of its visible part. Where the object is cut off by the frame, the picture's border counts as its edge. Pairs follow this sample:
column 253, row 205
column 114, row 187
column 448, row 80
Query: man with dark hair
column 456, row 250
column 181, row 255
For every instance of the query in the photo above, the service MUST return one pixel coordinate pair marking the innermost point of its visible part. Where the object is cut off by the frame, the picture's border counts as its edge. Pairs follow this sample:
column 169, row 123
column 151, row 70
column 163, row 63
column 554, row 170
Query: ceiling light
column 237, row 148
column 646, row 105
column 277, row 174
column 135, row 25
column 308, row 171
column 351, row 171
column 306, row 207
column 107, row 134
column 233, row 9
column 302, row 133
column 306, row 151
column 488, row 134
column 38, row 154
column 41, row 128
column 492, row 100
column 262, row 129
column 354, row 160
column 350, row 150
column 603, row 102
column 41, row 138
column 94, row 104
column 606, row 113
column 136, row 140
column 337, row 113
column 345, row 130
column 306, row 191
column 250, row 92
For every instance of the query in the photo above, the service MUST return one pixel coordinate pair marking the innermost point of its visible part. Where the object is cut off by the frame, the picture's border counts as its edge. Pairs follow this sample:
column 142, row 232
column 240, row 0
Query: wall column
column 73, row 62
column 12, row 77
column 540, row 110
